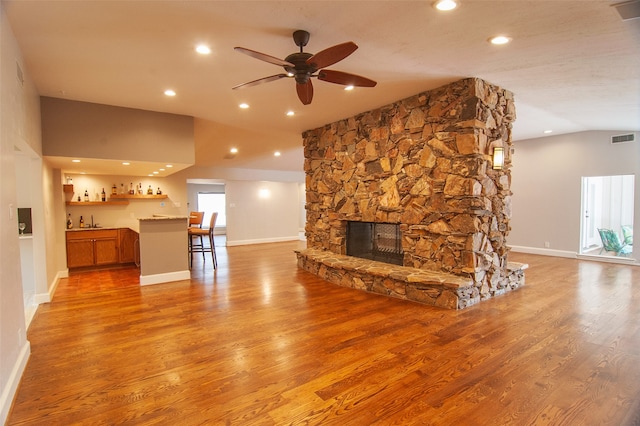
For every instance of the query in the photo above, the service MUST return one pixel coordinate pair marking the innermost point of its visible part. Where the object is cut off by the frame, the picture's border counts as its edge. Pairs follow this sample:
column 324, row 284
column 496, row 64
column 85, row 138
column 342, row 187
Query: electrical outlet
column 546, row 244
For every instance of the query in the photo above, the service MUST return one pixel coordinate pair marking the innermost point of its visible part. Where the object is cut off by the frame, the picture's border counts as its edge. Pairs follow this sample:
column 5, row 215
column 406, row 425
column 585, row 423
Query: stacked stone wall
column 425, row 163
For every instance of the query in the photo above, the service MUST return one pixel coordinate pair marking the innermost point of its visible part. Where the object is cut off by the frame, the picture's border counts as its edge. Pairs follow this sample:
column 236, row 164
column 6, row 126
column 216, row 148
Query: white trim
column 262, row 241
column 609, row 259
column 164, row 278
column 9, row 391
column 573, row 255
column 29, row 313
column 544, row 251
column 40, row 298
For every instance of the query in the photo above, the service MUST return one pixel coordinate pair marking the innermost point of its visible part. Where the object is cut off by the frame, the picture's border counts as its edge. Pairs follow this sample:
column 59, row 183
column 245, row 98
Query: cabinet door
column 127, row 239
column 106, row 250
column 79, row 253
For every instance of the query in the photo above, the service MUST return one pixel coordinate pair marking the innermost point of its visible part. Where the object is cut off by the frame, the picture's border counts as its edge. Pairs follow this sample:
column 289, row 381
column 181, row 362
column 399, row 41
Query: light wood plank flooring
column 260, row 342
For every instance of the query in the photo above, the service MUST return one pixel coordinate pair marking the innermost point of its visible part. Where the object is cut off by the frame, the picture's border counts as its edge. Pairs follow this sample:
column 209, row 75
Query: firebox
column 375, row 241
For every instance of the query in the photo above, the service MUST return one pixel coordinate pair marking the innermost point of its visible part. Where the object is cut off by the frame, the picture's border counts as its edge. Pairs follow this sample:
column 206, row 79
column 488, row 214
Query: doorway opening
column 607, row 216
column 209, row 202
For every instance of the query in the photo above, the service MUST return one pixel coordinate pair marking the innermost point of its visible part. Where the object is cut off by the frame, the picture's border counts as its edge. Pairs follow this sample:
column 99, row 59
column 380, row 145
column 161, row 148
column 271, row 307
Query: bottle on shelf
column 131, row 191
column 69, row 222
column 81, row 222
column 158, row 192
column 122, row 188
column 103, row 195
column 86, row 195
column 114, row 190
column 150, row 190
column 140, row 189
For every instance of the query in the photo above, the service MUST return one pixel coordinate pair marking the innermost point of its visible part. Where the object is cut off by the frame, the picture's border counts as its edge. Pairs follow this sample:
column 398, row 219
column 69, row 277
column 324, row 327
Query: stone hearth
column 423, row 163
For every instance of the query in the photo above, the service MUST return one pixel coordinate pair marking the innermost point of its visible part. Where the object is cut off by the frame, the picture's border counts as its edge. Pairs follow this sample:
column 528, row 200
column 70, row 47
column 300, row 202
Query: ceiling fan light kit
column 302, row 66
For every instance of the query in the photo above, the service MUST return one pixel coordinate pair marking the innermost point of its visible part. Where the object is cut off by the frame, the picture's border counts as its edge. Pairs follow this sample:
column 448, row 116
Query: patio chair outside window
column 627, row 233
column 611, row 242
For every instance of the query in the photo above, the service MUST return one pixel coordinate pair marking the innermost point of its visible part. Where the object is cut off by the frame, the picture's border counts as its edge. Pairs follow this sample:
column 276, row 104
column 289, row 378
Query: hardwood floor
column 259, row 342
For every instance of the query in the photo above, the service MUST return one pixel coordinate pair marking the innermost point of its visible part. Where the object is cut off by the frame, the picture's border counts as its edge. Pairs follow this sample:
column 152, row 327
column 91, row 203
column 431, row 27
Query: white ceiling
column 573, row 65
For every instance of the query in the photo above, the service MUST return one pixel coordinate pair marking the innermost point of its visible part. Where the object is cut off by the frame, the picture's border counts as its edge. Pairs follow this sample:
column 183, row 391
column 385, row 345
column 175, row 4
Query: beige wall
column 124, row 216
column 88, row 130
column 546, row 186
column 19, row 127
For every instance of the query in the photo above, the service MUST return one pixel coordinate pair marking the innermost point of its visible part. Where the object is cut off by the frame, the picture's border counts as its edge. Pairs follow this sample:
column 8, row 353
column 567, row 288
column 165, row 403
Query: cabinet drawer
column 92, row 234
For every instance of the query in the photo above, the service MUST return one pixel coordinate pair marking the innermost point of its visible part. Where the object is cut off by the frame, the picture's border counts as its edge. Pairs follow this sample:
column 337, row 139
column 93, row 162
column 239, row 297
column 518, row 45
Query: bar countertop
column 164, row 217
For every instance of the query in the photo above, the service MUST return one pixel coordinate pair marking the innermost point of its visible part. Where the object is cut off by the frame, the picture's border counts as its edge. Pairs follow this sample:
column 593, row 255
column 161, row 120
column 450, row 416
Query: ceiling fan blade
column 264, row 57
column 305, row 92
column 345, row 78
column 260, row 81
column 332, row 55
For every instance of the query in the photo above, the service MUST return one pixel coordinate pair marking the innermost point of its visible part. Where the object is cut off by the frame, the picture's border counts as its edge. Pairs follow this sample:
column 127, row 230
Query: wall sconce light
column 498, row 158
column 264, row 193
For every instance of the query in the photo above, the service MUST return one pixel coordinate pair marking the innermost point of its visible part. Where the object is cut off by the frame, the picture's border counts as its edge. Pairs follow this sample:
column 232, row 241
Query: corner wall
column 19, row 125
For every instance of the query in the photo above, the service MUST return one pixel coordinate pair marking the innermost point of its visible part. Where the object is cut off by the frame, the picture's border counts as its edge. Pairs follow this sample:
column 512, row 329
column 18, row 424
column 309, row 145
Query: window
column 208, row 203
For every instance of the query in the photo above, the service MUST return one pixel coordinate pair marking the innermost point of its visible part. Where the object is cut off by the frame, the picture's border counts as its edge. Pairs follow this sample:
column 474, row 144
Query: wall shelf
column 98, row 203
column 136, row 196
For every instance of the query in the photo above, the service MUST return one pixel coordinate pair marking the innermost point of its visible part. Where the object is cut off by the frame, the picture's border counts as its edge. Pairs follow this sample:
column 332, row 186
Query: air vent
column 631, row 137
column 628, row 9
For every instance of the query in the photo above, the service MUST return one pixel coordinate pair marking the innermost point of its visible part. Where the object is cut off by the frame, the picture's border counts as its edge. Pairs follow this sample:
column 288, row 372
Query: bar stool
column 195, row 222
column 199, row 232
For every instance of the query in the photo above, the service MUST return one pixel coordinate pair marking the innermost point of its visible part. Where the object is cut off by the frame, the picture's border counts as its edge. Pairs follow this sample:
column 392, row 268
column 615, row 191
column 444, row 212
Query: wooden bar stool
column 199, row 232
column 195, row 222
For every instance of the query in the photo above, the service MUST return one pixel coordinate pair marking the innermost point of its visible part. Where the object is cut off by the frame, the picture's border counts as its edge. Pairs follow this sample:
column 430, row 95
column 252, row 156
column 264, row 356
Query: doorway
column 607, row 203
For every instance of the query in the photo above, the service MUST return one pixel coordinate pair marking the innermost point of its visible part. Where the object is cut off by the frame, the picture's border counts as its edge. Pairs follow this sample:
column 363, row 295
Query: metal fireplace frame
column 377, row 241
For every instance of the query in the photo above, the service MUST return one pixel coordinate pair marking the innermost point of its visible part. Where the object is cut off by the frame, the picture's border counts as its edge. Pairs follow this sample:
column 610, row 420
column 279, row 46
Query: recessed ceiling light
column 349, row 87
column 203, row 49
column 244, row 106
column 169, row 92
column 291, row 113
column 169, row 165
column 75, row 161
column 548, row 131
column 156, row 172
column 233, row 150
column 125, row 163
column 276, row 154
column 500, row 40
column 150, row 174
column 162, row 170
column 445, row 5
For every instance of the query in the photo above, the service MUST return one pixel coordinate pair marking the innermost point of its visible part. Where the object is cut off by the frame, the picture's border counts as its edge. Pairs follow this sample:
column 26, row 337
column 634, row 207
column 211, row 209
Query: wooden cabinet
column 92, row 248
column 128, row 240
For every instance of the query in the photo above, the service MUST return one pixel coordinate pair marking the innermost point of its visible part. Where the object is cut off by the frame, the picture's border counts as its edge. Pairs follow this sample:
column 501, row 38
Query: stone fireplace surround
column 425, row 163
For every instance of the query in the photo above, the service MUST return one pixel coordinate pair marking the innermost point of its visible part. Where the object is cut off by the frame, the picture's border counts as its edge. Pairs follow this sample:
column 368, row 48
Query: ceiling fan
column 303, row 66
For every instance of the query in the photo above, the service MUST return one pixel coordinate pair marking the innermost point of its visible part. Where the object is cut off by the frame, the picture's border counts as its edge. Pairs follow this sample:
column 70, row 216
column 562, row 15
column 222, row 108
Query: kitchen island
column 164, row 254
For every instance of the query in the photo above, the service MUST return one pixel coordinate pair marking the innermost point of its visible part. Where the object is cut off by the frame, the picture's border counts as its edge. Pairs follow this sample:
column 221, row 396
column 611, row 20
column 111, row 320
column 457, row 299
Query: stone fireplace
column 422, row 164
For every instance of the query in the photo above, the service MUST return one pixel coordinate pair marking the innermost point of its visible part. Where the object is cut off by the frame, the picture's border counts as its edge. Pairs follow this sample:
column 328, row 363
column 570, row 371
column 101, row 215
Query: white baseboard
column 40, row 298
column 262, row 241
column 165, row 278
column 544, row 251
column 610, row 259
column 9, row 391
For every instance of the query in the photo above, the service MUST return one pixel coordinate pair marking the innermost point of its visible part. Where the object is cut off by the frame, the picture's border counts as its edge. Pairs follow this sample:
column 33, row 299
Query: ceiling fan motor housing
column 301, row 70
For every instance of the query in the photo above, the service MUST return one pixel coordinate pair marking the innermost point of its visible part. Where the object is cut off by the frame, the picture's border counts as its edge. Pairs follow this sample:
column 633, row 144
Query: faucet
column 92, row 225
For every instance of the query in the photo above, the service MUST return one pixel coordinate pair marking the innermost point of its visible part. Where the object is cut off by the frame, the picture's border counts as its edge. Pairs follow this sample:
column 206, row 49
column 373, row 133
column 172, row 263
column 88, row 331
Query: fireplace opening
column 381, row 242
